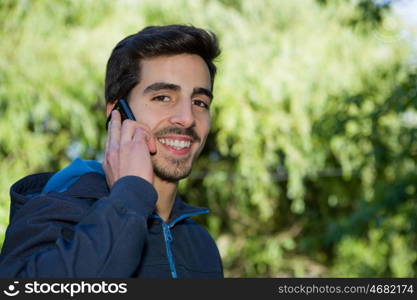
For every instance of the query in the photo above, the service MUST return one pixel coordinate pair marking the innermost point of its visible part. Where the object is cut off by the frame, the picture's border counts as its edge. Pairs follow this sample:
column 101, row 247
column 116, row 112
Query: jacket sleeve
column 45, row 239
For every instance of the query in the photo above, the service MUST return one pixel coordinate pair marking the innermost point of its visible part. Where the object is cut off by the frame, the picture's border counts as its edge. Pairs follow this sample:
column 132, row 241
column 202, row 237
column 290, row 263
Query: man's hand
column 128, row 150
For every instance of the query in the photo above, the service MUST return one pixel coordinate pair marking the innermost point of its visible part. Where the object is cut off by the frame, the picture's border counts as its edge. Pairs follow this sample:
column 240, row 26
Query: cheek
column 150, row 117
column 207, row 124
column 204, row 129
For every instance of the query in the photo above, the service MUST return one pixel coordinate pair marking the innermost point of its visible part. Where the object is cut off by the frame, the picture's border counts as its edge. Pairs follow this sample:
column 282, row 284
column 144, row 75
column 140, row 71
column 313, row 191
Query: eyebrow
column 157, row 86
column 154, row 87
column 202, row 91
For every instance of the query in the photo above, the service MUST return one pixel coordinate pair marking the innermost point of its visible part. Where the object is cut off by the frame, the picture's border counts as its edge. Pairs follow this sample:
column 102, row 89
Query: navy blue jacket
column 69, row 224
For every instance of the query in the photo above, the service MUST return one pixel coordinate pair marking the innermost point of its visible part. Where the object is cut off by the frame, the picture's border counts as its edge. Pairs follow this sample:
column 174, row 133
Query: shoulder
column 70, row 204
column 80, row 179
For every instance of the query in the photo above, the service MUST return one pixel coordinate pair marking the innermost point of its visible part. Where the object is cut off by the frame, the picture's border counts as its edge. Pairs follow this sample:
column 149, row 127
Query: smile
column 180, row 143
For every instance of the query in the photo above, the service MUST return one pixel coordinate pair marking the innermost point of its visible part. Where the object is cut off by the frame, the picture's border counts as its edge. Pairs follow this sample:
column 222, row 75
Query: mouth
column 179, row 145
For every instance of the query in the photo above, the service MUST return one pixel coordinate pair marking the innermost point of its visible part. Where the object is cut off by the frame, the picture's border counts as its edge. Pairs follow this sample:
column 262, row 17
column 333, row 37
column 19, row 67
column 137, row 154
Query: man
column 122, row 218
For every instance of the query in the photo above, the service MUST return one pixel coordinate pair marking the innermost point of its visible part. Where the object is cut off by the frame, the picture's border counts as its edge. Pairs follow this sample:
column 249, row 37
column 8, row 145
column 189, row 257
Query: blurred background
column 310, row 169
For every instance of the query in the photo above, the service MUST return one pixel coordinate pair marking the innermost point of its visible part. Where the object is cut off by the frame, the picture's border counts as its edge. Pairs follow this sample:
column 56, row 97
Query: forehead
column 186, row 70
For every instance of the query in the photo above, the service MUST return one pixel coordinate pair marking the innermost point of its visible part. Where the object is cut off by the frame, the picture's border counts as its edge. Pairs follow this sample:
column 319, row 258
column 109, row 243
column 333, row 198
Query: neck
column 166, row 197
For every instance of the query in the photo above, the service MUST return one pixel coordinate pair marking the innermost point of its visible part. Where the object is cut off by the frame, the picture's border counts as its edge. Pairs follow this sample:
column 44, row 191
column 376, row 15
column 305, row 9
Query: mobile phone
column 124, row 109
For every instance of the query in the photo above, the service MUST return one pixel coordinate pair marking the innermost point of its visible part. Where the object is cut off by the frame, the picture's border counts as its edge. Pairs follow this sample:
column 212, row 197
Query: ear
column 109, row 108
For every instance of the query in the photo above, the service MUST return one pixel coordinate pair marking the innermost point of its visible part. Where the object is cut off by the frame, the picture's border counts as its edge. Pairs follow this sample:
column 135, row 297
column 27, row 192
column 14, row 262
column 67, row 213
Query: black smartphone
column 124, row 109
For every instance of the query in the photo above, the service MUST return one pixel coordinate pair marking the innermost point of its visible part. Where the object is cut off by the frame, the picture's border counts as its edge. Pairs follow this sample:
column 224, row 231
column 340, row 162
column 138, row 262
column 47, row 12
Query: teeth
column 176, row 144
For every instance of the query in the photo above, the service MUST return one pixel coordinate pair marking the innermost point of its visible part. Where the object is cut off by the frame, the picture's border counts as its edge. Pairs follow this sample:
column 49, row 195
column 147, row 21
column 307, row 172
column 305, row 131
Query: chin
column 172, row 171
column 171, row 175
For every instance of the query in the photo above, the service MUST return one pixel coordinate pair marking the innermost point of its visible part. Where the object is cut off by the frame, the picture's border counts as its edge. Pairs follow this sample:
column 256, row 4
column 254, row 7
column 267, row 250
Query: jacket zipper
column 168, row 237
column 168, row 240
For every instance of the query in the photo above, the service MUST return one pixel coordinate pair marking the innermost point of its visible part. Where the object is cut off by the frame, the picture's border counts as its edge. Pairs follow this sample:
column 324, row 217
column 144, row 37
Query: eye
column 161, row 98
column 201, row 103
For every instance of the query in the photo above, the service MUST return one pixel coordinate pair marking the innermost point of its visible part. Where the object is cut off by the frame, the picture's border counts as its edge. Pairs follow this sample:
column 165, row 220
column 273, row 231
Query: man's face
column 173, row 100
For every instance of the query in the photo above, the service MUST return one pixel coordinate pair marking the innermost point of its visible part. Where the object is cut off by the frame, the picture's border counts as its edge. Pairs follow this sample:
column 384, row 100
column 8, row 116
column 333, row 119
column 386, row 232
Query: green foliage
column 310, row 167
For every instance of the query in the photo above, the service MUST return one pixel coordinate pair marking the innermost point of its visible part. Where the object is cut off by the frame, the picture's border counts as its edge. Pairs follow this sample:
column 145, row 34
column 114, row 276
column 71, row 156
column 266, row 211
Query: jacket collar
column 182, row 210
column 98, row 188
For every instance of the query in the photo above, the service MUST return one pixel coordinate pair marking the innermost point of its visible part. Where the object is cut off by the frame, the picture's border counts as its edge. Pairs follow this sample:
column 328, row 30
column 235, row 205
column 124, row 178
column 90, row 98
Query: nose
column 183, row 115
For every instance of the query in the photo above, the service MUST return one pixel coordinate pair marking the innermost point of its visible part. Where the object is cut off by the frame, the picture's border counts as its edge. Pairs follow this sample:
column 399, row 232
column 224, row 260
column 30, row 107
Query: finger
column 142, row 133
column 150, row 141
column 107, row 140
column 139, row 135
column 106, row 147
column 114, row 132
column 149, row 138
column 127, row 131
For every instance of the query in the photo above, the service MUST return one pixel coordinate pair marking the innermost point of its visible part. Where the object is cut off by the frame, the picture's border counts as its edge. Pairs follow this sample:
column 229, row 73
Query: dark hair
column 123, row 67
